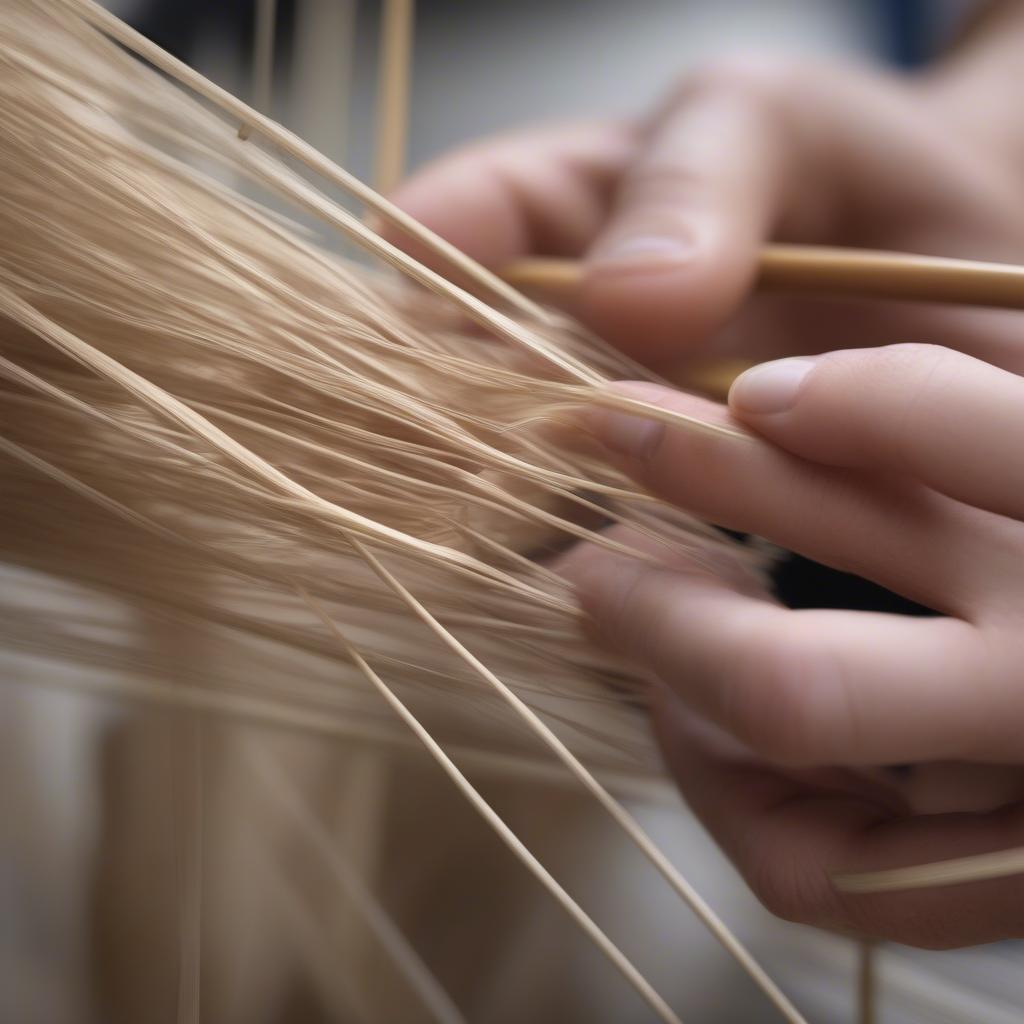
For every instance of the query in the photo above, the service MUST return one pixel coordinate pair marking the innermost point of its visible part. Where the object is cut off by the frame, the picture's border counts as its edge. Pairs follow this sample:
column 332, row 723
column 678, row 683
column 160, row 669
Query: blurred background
column 487, row 65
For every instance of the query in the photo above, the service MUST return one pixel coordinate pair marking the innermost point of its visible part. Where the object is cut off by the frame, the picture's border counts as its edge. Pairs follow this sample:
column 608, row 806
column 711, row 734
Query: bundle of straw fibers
column 294, row 513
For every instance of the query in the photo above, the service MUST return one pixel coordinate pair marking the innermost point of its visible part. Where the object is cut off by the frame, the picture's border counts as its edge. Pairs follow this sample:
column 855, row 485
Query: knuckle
column 880, row 397
column 891, row 367
column 910, row 373
column 913, row 356
column 638, row 619
column 659, row 188
column 773, row 701
column 788, row 889
column 762, row 79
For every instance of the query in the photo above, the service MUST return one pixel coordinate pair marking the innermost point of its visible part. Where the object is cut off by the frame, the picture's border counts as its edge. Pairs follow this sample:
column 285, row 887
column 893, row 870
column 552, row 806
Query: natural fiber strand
column 579, row 916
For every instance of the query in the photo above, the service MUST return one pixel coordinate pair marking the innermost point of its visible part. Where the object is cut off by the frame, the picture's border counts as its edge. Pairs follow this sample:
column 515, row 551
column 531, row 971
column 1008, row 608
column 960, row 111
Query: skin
column 898, row 462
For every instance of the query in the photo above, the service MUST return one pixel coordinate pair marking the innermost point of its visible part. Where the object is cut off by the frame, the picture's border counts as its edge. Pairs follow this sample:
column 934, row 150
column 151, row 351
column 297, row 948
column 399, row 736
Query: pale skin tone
column 899, row 463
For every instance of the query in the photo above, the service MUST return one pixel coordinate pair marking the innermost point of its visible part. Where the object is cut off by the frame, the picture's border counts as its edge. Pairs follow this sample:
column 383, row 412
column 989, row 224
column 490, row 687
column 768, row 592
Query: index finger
column 543, row 192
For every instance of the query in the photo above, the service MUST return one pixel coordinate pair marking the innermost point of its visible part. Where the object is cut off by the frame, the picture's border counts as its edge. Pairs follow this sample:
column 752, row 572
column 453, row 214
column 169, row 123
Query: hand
column 670, row 211
column 901, row 465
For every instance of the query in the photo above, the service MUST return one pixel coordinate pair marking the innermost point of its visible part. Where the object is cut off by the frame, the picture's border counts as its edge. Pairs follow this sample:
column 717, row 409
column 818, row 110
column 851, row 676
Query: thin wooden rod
column 867, row 982
column 395, row 72
column 807, row 268
column 185, row 771
column 629, row 971
column 262, row 60
column 323, row 55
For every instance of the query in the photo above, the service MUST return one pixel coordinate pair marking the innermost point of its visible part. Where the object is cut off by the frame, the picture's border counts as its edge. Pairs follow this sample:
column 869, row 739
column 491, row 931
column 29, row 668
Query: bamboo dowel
column 863, row 272
column 393, row 93
column 262, row 60
column 867, row 983
column 323, row 52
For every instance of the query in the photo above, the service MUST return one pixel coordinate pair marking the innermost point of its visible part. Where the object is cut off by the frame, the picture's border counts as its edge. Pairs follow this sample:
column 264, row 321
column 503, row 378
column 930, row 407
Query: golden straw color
column 831, row 271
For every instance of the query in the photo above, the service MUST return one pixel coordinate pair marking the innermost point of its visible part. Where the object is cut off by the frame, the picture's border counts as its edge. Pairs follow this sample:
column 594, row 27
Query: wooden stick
column 393, row 93
column 262, row 60
column 867, row 983
column 323, row 55
column 804, row 268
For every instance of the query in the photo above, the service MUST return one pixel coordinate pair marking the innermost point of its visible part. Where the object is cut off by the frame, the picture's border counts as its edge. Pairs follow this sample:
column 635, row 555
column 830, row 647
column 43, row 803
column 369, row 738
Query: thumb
column 944, row 418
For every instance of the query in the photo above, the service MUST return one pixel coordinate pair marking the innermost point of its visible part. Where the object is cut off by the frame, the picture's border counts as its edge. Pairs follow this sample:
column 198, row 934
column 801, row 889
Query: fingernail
column 770, row 387
column 643, row 251
column 632, row 436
